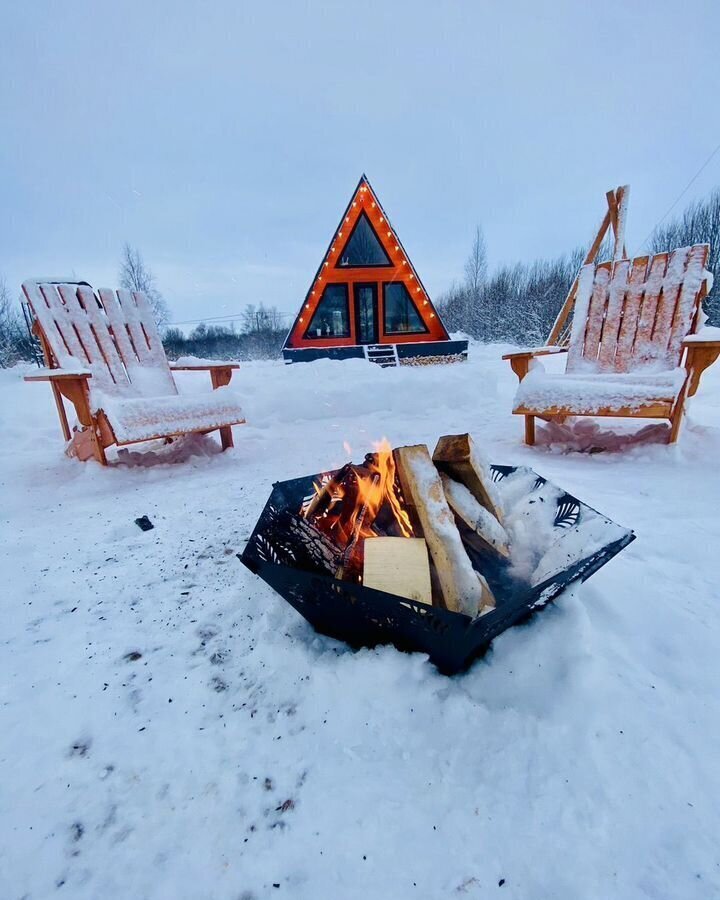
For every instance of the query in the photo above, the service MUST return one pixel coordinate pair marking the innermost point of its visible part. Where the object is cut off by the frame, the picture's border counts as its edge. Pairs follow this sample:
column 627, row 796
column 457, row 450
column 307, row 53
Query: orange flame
column 386, row 468
column 346, row 509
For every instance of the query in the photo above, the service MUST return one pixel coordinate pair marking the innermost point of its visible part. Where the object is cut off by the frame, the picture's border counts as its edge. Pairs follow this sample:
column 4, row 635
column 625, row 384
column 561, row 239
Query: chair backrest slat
column 634, row 313
column 648, row 310
column 614, row 313
column 688, row 298
column 84, row 300
column 64, row 324
column 598, row 302
column 630, row 314
column 114, row 335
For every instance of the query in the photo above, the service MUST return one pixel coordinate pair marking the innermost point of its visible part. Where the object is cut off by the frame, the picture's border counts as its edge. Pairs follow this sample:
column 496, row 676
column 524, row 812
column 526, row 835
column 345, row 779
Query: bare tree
column 476, row 264
column 13, row 337
column 135, row 276
column 261, row 319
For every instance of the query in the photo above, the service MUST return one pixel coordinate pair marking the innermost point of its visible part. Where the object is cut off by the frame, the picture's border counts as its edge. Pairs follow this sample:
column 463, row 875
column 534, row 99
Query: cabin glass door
column 366, row 313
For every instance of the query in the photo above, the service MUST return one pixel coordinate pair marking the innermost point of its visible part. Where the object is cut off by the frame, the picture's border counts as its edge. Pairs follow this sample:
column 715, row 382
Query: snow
column 584, row 393
column 147, row 417
column 73, row 367
column 707, row 333
column 577, row 760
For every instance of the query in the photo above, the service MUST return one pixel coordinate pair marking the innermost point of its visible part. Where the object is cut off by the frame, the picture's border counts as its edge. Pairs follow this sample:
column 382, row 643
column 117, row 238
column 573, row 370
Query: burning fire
column 359, row 502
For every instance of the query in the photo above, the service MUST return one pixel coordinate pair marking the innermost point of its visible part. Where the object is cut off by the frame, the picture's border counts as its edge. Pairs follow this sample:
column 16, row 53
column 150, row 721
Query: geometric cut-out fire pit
column 309, row 543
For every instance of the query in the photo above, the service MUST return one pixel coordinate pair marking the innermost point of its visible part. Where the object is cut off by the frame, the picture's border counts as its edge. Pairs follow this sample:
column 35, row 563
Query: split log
column 463, row 589
column 457, row 456
column 398, row 566
column 492, row 536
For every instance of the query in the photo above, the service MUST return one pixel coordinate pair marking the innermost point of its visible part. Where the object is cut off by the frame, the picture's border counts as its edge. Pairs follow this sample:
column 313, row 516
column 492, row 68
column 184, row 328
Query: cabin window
column 331, row 317
column 401, row 314
column 363, row 248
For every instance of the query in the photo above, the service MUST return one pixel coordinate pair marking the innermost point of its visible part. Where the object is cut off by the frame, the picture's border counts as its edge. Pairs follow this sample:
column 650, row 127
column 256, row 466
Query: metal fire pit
column 364, row 617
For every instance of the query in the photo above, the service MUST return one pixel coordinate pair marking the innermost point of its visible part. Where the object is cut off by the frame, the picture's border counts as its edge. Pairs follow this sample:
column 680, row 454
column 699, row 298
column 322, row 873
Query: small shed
column 367, row 300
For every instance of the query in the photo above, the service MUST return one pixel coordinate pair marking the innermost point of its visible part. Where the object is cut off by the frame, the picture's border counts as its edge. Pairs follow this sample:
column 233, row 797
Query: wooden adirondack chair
column 104, row 354
column 635, row 346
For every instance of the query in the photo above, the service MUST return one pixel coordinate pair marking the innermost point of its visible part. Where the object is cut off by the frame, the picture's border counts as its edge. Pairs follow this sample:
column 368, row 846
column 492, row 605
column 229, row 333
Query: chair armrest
column 702, row 351
column 520, row 360
column 698, row 341
column 220, row 373
column 204, row 367
column 57, row 375
column 535, row 351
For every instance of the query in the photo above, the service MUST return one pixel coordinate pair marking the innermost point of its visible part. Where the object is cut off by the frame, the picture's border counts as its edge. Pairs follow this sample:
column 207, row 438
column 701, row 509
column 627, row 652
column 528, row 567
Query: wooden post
column 613, row 220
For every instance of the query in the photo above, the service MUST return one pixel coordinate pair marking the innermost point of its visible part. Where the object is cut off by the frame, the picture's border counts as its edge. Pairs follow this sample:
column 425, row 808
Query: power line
column 234, row 317
column 682, row 193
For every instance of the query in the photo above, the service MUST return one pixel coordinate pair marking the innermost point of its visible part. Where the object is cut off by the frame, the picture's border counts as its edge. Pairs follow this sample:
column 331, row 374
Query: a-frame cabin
column 367, row 300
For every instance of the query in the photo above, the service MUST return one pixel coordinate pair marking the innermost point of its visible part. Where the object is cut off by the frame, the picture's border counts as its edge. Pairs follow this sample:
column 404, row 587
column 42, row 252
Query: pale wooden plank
column 613, row 315
column 398, row 566
column 134, row 326
column 148, row 324
column 100, row 325
column 643, row 337
column 688, row 300
column 119, row 328
column 583, row 296
column 64, row 323
column 631, row 314
column 102, row 376
column 667, row 303
column 596, row 313
column 46, row 320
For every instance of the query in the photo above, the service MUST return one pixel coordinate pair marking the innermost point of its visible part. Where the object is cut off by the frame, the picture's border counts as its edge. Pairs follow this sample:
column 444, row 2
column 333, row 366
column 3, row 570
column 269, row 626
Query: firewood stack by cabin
column 438, row 552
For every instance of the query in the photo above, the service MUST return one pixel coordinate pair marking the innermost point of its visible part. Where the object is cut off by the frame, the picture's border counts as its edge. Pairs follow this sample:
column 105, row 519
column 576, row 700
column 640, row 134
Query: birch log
column 457, row 456
column 463, row 589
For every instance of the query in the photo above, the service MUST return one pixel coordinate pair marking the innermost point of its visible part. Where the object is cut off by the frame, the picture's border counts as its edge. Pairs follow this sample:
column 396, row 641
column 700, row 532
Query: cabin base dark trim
column 414, row 354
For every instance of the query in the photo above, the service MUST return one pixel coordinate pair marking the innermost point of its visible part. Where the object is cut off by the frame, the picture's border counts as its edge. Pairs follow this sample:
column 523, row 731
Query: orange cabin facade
column 367, row 299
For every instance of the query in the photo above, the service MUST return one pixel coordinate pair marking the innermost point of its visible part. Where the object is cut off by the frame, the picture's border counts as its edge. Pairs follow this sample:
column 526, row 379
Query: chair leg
column 530, row 430
column 676, row 422
column 226, row 438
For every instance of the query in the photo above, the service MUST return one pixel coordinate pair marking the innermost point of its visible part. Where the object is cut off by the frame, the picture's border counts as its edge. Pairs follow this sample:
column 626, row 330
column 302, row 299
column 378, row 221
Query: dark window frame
column 388, row 265
column 327, row 337
column 386, row 330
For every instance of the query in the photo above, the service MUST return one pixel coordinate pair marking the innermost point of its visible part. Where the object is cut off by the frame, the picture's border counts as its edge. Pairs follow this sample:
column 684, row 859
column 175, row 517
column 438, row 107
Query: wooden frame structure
column 104, row 354
column 634, row 312
column 367, row 299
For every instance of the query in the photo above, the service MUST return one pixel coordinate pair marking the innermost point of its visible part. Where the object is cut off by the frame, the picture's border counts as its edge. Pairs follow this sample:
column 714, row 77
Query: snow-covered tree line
column 519, row 303
column 260, row 336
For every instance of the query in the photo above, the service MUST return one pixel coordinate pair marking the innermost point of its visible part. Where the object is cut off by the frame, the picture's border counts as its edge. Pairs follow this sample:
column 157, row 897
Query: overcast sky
column 224, row 139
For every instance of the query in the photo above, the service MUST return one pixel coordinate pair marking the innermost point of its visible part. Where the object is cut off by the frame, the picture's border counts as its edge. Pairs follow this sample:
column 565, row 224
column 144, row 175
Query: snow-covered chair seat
column 636, row 345
column 145, row 418
column 590, row 394
column 104, row 354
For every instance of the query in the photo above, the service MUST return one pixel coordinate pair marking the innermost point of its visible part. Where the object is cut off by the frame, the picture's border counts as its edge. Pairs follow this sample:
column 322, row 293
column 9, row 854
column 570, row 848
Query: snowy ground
column 170, row 728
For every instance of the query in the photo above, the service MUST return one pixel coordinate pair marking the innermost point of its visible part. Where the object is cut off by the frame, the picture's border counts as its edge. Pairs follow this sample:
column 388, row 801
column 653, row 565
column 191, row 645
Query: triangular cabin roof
column 365, row 251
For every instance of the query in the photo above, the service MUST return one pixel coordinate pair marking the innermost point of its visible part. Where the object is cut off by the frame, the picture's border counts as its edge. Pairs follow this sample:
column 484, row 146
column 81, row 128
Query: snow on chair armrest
column 536, row 351
column 190, row 363
column 58, row 374
column 708, row 335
